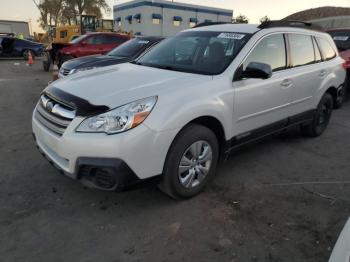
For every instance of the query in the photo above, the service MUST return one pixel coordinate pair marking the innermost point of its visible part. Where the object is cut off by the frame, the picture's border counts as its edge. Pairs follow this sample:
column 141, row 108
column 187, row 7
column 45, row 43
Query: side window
column 94, row 40
column 118, row 39
column 328, row 52
column 301, row 49
column 63, row 34
column 318, row 57
column 271, row 50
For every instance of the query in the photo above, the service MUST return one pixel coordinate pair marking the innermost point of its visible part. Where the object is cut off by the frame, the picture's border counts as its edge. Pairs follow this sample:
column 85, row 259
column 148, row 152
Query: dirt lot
column 260, row 207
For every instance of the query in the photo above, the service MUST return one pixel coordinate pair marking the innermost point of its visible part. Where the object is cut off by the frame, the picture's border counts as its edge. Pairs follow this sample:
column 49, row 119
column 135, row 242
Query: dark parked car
column 126, row 52
column 11, row 46
column 341, row 38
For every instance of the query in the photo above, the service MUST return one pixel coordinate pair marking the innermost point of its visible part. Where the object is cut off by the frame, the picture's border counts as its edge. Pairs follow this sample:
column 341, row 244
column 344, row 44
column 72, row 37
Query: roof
column 12, row 21
column 173, row 5
column 248, row 28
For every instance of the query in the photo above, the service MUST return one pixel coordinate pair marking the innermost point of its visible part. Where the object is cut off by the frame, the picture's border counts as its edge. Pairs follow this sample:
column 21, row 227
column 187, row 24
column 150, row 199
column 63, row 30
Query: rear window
column 302, row 49
column 341, row 39
column 326, row 49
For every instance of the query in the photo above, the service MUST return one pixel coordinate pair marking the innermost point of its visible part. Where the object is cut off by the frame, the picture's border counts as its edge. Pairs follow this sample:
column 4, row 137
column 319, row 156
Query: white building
column 15, row 27
column 164, row 18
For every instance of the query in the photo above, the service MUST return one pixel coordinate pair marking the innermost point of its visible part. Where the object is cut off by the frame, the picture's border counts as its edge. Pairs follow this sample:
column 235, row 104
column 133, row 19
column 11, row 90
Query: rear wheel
column 321, row 118
column 191, row 162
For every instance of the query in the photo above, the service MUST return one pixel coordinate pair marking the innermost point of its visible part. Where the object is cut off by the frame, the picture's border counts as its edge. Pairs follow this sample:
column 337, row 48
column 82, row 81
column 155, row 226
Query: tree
column 241, row 19
column 50, row 12
column 54, row 12
column 265, row 19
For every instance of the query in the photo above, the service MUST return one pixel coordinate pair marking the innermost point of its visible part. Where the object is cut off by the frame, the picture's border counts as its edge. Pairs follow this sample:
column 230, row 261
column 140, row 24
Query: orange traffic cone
column 54, row 72
column 30, row 58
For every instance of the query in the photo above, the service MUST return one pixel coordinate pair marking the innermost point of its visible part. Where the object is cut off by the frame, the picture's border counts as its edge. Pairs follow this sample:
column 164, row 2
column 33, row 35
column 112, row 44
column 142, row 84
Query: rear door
column 306, row 71
column 259, row 103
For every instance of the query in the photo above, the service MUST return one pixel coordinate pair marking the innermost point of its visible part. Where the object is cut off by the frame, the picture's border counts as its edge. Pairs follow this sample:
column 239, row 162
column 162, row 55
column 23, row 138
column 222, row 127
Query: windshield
column 130, row 48
column 77, row 39
column 341, row 39
column 207, row 53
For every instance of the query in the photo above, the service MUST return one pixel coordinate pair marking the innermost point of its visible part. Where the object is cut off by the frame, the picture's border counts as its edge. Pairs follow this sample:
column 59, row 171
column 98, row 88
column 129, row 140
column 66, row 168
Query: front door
column 263, row 103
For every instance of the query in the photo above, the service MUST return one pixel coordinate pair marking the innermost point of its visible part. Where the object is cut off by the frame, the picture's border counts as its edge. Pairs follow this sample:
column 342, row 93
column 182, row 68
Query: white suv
column 174, row 112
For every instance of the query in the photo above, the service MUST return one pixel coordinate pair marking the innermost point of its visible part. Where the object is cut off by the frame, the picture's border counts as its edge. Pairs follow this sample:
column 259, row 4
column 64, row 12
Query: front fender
column 176, row 111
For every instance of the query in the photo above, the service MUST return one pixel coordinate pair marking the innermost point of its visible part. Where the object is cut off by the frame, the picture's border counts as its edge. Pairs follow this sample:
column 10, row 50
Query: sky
column 25, row 10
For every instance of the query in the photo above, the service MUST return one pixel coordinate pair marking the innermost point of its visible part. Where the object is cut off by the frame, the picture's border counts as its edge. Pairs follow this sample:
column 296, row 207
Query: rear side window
column 271, row 50
column 301, row 49
column 327, row 50
column 94, row 40
column 117, row 39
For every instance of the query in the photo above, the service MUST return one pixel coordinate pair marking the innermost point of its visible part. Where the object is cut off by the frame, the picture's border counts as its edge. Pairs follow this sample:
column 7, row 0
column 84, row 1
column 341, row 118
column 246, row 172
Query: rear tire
column 190, row 163
column 321, row 117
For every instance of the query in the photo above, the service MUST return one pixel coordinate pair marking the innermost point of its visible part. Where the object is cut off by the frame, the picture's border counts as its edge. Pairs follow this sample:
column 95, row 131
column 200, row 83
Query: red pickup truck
column 89, row 44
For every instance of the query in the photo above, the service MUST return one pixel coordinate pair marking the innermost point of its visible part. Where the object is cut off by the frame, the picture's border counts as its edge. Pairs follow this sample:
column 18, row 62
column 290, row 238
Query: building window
column 193, row 21
column 118, row 22
column 156, row 19
column 177, row 20
column 129, row 19
column 137, row 17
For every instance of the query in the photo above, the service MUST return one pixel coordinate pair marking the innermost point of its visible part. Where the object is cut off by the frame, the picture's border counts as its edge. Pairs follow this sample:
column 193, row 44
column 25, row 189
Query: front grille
column 53, row 115
column 65, row 71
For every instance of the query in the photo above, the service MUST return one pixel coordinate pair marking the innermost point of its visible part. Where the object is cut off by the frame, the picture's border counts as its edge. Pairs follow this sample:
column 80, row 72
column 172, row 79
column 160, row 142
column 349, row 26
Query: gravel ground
column 285, row 199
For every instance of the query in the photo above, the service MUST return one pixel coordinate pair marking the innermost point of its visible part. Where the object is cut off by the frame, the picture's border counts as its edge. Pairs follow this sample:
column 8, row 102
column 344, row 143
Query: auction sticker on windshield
column 231, row 36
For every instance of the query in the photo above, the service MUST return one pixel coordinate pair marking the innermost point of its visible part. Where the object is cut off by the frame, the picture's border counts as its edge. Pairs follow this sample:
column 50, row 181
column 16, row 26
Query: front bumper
column 124, row 158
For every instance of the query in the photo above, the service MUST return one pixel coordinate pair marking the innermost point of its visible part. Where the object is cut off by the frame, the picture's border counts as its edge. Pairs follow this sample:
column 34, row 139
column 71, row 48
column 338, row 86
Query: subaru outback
column 194, row 98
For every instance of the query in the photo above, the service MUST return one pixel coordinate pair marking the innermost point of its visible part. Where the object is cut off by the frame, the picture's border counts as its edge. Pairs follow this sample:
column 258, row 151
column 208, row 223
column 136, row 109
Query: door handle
column 322, row 73
column 286, row 83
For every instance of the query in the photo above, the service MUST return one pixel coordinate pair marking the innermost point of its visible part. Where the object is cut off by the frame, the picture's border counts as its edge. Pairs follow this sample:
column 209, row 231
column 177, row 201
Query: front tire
column 190, row 163
column 321, row 118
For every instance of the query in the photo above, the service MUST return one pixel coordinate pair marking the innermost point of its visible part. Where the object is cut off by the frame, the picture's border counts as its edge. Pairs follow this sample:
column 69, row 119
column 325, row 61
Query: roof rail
column 290, row 23
column 210, row 23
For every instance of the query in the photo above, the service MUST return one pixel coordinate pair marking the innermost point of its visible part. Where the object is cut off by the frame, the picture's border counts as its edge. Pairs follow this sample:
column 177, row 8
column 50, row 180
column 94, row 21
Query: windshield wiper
column 136, row 63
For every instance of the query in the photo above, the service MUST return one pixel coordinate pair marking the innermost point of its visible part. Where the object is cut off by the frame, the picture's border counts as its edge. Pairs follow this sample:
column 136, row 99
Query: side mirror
column 257, row 70
column 83, row 43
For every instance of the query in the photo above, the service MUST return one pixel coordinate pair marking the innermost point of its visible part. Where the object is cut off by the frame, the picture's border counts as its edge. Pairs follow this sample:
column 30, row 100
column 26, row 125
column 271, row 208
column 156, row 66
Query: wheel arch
column 212, row 123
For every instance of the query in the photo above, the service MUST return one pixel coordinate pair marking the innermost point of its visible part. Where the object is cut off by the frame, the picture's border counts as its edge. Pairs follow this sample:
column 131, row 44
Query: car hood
column 93, row 61
column 117, row 85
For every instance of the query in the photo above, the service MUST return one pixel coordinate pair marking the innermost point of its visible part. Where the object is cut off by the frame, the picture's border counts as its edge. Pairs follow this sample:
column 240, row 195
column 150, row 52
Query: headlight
column 119, row 119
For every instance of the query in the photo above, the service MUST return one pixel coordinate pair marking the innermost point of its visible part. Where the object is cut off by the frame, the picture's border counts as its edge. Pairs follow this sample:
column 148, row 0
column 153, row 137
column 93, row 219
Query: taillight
column 346, row 64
